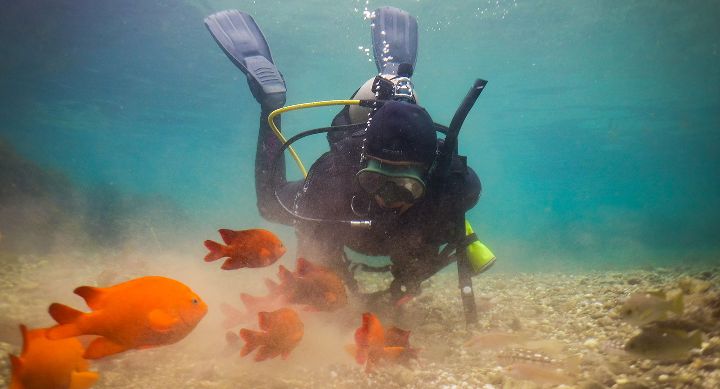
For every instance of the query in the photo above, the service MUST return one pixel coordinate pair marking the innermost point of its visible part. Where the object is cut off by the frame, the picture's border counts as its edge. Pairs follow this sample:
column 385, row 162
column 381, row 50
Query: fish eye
column 195, row 301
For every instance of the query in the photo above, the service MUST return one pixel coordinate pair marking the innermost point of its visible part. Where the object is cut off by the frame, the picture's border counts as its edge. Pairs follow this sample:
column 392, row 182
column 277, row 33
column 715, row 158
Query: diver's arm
column 410, row 270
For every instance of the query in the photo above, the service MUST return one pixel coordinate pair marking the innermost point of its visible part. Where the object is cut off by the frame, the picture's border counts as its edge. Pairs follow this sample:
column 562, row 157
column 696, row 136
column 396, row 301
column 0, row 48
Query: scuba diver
column 388, row 186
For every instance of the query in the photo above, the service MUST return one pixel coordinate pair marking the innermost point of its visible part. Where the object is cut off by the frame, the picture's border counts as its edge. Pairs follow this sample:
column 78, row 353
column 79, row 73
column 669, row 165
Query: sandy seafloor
column 568, row 316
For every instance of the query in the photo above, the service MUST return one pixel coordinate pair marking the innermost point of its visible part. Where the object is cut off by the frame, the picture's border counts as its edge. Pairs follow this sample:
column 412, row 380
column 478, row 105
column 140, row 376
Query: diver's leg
column 270, row 175
column 243, row 42
column 394, row 38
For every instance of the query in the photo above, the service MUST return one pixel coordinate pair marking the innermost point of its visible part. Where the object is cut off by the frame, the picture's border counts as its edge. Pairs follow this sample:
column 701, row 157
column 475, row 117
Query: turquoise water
column 597, row 138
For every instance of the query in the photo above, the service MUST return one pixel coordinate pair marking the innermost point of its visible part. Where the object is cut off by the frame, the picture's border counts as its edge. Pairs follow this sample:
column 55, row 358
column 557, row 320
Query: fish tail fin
column 252, row 303
column 252, row 339
column 352, row 350
column 272, row 286
column 285, row 275
column 233, row 316
column 217, row 251
column 232, row 338
column 696, row 339
column 92, row 296
column 67, row 319
column 677, row 304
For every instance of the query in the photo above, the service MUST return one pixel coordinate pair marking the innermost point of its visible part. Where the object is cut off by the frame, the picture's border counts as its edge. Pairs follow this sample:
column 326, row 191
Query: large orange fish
column 281, row 332
column 312, row 285
column 247, row 248
column 141, row 313
column 50, row 364
column 373, row 344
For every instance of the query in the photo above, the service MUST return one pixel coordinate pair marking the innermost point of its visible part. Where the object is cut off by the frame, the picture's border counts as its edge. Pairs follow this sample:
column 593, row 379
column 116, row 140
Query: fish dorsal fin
column 63, row 314
column 93, row 296
column 83, row 379
column 161, row 321
column 228, row 236
column 250, row 302
column 25, row 340
column 304, row 267
column 272, row 286
column 371, row 332
column 284, row 274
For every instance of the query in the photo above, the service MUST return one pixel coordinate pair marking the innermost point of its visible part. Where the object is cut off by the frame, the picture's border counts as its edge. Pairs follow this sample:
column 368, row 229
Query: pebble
column 591, row 343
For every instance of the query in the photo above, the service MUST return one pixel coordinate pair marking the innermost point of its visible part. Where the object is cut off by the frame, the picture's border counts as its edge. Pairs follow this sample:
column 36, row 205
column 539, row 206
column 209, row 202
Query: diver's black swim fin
column 394, row 38
column 242, row 41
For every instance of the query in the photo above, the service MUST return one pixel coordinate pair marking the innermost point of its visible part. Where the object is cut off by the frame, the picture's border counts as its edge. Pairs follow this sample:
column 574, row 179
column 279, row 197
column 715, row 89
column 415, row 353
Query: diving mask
column 393, row 183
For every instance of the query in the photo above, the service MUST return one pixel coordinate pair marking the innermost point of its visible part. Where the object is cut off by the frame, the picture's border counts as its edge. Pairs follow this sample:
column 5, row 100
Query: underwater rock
column 631, row 385
column 591, row 385
column 690, row 285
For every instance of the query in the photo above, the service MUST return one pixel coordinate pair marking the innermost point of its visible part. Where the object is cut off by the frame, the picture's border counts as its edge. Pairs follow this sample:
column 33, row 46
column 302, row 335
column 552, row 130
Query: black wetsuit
column 412, row 239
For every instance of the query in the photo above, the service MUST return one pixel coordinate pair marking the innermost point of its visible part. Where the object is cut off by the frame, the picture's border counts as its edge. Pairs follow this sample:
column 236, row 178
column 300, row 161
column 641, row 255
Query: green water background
column 597, row 139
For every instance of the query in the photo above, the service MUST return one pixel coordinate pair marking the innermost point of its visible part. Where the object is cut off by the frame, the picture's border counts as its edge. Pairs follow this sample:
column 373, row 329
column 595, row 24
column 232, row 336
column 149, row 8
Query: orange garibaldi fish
column 141, row 313
column 247, row 248
column 50, row 364
column 373, row 344
column 283, row 330
column 312, row 285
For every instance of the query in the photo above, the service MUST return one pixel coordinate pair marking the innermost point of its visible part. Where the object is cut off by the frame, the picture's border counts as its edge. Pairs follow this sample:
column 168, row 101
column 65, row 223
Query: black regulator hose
column 366, row 224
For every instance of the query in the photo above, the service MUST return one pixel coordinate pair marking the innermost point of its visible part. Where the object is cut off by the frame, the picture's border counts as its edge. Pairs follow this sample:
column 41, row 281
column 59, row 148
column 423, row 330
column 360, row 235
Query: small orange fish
column 312, row 285
column 247, row 248
column 50, row 364
column 283, row 330
column 141, row 313
column 253, row 305
column 373, row 344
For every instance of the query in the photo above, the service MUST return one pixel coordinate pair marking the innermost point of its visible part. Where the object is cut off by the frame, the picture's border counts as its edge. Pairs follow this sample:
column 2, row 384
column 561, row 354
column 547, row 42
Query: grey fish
column 674, row 324
column 664, row 344
column 535, row 366
column 645, row 307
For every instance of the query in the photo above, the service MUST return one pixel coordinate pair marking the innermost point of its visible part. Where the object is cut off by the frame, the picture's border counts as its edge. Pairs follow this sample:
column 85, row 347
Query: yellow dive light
column 479, row 255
